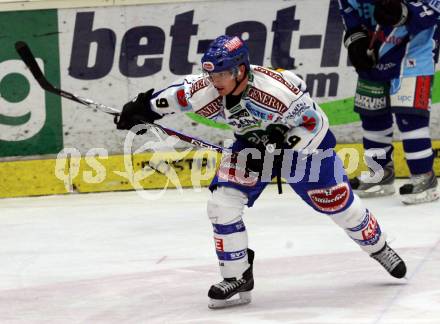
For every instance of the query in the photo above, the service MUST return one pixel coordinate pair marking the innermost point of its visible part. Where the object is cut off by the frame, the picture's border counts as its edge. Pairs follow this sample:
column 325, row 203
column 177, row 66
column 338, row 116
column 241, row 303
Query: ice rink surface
column 118, row 258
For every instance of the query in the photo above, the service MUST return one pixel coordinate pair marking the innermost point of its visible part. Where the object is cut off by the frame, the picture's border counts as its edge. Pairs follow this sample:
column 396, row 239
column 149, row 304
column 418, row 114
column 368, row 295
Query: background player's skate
column 421, row 188
column 366, row 187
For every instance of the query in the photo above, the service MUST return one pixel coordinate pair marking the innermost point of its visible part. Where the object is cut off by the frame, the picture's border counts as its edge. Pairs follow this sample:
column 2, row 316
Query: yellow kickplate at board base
column 352, row 156
column 154, row 170
column 175, row 169
column 29, row 178
column 100, row 174
column 436, row 149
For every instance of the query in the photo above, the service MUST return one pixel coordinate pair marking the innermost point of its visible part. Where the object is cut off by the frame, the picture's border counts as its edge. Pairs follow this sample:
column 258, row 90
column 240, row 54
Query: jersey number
column 162, row 103
column 292, row 141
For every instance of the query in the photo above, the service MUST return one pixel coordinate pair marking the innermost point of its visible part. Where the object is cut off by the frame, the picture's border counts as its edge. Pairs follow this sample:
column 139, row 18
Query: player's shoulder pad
column 173, row 98
column 190, row 93
column 204, row 98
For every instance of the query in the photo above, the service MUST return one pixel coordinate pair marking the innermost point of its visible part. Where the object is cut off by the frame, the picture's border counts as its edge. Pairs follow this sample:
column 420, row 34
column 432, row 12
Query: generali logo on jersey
column 198, row 85
column 267, row 100
column 211, row 108
column 278, row 77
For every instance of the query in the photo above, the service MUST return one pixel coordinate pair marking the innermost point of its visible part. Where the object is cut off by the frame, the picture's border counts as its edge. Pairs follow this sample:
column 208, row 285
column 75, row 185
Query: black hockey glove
column 137, row 112
column 390, row 12
column 357, row 42
column 273, row 138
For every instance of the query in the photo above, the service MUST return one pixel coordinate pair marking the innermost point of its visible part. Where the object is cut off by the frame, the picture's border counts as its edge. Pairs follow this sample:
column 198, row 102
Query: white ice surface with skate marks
column 116, row 258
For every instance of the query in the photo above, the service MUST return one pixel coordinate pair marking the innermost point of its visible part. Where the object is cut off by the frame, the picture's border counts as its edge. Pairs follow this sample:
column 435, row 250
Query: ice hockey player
column 394, row 77
column 271, row 113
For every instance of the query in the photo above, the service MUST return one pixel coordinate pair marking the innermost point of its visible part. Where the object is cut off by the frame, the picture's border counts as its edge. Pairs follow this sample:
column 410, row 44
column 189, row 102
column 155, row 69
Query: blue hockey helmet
column 225, row 53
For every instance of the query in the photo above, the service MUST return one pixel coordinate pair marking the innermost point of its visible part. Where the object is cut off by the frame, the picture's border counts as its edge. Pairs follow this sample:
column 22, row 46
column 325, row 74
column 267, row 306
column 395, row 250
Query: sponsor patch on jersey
column 297, row 109
column 243, row 124
column 198, row 85
column 208, row 66
column 181, row 99
column 371, row 89
column 266, row 100
column 370, row 103
column 276, row 76
column 239, row 114
column 311, row 121
column 240, row 119
column 404, row 100
column 423, row 91
column 414, row 92
column 211, row 108
column 259, row 112
column 229, row 171
column 385, row 66
column 331, row 199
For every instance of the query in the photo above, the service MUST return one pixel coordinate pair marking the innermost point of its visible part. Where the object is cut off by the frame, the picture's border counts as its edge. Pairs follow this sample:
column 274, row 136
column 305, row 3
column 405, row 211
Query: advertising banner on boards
column 110, row 54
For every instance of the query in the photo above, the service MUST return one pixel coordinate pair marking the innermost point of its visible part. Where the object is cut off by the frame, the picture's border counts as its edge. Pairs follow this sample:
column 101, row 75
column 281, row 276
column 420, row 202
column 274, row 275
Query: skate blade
column 421, row 197
column 244, row 298
column 376, row 191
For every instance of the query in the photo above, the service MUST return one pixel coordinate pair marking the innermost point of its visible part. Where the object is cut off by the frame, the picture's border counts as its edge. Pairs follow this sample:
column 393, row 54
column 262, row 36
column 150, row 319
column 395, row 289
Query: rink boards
column 144, row 171
column 100, row 53
column 110, row 54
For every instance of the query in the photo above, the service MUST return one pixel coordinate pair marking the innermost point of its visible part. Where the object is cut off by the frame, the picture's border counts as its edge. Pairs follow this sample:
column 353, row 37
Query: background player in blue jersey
column 395, row 76
column 286, row 133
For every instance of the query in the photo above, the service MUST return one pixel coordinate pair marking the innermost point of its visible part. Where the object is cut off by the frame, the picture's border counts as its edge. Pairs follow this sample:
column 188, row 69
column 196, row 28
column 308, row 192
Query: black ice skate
column 422, row 188
column 391, row 261
column 364, row 188
column 221, row 293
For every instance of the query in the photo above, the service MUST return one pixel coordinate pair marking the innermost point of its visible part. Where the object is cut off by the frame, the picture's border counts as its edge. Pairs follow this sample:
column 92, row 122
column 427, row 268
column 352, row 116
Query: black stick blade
column 28, row 58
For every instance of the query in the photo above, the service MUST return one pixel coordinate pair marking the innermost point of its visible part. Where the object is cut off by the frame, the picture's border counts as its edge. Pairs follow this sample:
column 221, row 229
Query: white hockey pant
column 225, row 210
column 361, row 226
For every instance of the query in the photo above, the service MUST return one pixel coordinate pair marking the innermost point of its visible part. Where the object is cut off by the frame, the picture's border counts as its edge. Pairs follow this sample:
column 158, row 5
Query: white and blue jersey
column 271, row 98
column 404, row 51
column 310, row 165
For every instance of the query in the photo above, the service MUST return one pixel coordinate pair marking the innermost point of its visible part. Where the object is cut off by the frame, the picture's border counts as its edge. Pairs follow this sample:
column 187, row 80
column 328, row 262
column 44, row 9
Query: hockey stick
column 370, row 50
column 29, row 59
